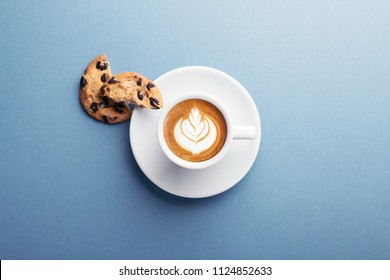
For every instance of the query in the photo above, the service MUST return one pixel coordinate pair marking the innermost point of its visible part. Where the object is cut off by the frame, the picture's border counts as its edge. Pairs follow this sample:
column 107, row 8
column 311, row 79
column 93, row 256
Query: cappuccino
column 195, row 130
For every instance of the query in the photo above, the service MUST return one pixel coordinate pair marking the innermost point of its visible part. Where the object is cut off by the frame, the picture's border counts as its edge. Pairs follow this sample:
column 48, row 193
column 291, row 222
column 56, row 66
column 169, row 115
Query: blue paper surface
column 318, row 72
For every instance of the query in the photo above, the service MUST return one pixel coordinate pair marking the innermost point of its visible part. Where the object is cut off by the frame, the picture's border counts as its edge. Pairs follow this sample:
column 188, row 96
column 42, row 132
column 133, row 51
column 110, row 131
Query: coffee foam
column 195, row 130
column 196, row 133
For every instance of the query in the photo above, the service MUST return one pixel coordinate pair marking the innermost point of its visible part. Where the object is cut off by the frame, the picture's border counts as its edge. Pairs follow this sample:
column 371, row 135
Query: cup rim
column 190, row 164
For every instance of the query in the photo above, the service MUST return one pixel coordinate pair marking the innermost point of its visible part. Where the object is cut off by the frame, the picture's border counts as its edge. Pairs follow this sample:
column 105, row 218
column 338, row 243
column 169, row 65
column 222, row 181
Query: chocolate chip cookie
column 133, row 88
column 92, row 93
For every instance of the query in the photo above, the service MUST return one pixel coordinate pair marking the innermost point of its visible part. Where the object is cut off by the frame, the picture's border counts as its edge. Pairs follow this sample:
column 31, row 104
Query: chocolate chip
column 94, row 107
column 103, row 78
column 105, row 102
column 140, row 95
column 83, row 82
column 101, row 65
column 118, row 107
column 105, row 119
column 154, row 102
column 102, row 90
column 149, row 86
column 112, row 81
column 139, row 82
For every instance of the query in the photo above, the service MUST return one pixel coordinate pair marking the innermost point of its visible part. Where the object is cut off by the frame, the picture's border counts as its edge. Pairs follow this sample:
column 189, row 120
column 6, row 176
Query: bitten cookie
column 134, row 88
column 92, row 96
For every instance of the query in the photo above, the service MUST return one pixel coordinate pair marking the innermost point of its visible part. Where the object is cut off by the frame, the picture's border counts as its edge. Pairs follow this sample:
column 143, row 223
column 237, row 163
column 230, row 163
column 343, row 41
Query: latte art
column 195, row 130
column 196, row 133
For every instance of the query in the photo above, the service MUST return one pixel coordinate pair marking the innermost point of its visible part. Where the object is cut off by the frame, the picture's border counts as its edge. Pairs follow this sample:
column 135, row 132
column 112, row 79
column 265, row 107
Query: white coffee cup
column 233, row 132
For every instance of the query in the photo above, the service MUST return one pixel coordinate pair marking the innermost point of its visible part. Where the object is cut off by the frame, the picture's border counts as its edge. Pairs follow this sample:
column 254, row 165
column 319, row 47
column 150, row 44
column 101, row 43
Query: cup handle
column 244, row 132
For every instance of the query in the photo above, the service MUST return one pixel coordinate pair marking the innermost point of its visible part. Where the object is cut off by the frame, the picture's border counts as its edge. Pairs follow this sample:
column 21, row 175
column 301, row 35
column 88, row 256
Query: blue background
column 318, row 72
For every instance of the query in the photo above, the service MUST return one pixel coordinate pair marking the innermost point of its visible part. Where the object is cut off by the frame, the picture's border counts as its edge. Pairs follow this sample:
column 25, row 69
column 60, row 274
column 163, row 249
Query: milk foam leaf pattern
column 196, row 133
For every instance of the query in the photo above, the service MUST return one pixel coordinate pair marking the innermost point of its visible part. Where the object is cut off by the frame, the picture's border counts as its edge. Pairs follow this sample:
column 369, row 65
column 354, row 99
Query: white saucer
column 204, row 182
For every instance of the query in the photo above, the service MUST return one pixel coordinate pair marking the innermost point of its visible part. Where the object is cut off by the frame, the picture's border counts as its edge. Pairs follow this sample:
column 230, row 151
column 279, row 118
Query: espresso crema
column 195, row 130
